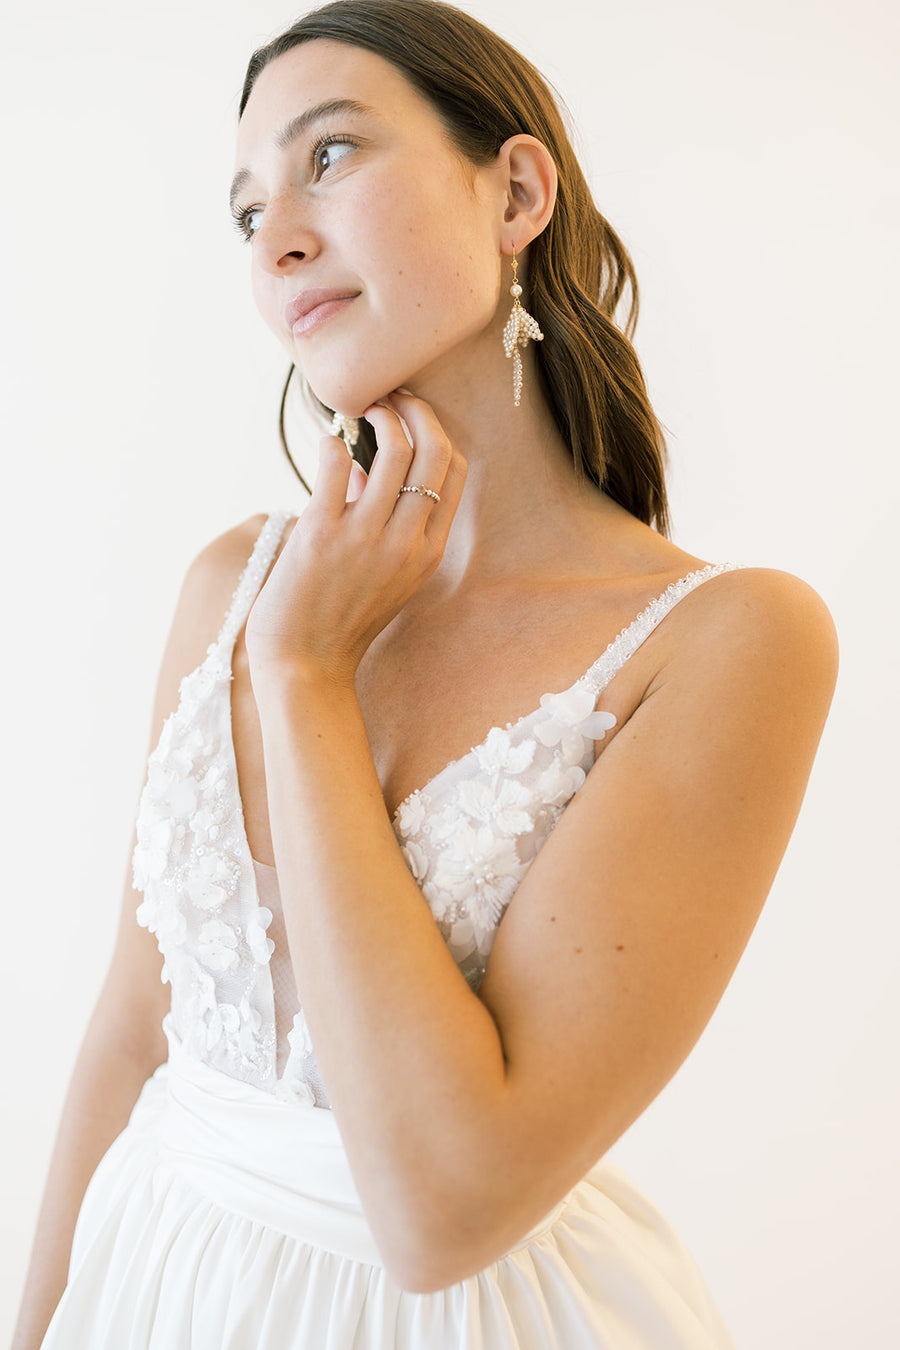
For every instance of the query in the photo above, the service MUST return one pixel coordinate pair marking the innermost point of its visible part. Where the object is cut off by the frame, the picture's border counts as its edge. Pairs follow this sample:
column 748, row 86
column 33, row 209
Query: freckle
column 715, row 956
column 619, row 947
column 579, row 949
column 553, row 918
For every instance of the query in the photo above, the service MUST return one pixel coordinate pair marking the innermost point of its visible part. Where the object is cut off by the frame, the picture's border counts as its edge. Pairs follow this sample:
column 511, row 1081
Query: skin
column 392, row 633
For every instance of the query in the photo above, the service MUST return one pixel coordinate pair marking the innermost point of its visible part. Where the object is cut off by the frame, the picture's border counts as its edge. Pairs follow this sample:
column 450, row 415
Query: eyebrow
column 297, row 126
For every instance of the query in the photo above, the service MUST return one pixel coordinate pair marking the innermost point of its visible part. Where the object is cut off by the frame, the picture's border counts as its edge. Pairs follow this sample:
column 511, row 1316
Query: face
column 375, row 248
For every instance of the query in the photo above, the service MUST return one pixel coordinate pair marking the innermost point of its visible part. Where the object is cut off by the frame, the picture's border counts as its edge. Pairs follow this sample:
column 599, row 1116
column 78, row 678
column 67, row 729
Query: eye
column 242, row 221
column 328, row 151
column 325, row 154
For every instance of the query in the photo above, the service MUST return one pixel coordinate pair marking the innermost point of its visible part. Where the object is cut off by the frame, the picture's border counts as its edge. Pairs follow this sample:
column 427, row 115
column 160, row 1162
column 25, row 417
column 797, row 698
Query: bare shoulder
column 759, row 615
column 211, row 579
column 222, row 560
column 205, row 597
column 750, row 654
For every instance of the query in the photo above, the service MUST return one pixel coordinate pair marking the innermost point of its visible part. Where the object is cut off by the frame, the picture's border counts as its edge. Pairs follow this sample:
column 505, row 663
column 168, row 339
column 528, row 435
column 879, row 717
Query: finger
column 332, row 479
column 357, row 483
column 389, row 467
column 432, row 451
column 440, row 518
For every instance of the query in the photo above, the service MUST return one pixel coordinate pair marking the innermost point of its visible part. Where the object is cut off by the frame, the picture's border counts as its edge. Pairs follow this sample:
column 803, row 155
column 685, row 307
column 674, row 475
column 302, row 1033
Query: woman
column 417, row 989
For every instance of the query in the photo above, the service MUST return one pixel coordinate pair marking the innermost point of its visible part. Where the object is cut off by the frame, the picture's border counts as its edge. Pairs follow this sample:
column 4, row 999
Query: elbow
column 437, row 1246
column 427, row 1271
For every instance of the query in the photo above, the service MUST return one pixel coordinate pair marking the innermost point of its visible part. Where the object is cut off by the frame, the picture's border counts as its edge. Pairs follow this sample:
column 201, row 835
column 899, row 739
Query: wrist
column 288, row 677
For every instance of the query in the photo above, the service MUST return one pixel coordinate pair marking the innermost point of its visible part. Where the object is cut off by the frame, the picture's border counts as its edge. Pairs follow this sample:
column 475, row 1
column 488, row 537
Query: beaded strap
column 630, row 638
column 252, row 576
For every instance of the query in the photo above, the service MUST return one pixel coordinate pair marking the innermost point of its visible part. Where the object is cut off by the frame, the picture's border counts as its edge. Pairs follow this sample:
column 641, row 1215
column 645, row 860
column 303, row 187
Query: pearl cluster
column 520, row 329
column 347, row 428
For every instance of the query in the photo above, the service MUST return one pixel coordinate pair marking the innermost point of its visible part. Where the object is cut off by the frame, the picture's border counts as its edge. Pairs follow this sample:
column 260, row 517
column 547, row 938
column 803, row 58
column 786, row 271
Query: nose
column 285, row 237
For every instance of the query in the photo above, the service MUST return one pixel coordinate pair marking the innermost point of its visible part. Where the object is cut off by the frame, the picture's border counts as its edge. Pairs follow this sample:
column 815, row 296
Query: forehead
column 319, row 72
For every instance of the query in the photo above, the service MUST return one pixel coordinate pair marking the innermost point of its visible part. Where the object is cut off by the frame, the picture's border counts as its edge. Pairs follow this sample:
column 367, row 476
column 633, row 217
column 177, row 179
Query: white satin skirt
column 224, row 1219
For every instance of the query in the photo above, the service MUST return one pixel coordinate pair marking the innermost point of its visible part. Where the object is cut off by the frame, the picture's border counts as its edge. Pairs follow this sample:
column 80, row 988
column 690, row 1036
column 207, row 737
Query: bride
column 455, row 833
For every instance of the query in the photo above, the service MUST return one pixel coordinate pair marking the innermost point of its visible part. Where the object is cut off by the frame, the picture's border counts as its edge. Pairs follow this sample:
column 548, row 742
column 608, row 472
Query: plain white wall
column 743, row 150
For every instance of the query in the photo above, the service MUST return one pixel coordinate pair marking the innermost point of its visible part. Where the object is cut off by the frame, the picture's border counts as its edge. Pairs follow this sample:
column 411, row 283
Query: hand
column 359, row 550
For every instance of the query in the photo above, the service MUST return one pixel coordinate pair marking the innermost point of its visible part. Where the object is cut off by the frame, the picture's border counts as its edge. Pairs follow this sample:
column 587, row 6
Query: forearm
column 104, row 1087
column 412, row 1059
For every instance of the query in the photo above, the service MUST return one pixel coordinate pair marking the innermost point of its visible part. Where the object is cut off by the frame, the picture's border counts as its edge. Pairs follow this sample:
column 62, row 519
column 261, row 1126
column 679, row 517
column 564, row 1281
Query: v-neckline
column 618, row 642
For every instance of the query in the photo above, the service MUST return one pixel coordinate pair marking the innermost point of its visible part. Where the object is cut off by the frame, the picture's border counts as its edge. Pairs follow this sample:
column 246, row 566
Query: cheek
column 439, row 267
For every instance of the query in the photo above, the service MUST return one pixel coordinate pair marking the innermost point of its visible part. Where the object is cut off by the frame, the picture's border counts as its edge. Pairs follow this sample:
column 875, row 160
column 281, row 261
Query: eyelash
column 239, row 216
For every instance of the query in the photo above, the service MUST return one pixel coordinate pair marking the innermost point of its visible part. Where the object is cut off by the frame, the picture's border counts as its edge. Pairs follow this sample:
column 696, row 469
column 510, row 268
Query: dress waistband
column 277, row 1163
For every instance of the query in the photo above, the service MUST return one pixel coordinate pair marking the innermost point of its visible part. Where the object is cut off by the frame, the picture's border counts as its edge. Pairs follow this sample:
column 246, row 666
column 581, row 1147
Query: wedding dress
column 224, row 1216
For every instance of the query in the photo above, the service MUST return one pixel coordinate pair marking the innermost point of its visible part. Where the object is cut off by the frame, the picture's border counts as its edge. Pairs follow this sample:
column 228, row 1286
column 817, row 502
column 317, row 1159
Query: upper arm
column 133, row 999
column 624, row 932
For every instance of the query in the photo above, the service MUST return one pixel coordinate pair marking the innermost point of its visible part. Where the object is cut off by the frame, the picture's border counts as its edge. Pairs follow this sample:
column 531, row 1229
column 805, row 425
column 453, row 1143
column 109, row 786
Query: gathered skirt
column 224, row 1219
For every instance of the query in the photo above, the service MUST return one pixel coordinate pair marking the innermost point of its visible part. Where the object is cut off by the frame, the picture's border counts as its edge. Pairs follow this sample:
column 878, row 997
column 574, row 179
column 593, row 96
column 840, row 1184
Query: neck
column 523, row 506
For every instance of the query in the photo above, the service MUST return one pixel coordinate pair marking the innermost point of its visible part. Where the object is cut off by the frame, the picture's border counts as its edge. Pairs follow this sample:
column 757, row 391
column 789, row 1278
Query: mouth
column 313, row 307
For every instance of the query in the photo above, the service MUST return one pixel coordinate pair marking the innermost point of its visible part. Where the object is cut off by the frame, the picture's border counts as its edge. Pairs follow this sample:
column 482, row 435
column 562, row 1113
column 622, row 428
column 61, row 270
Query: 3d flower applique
column 500, row 803
column 211, row 881
column 571, row 721
column 460, row 935
column 171, row 926
column 249, row 1021
column 221, row 1024
column 182, row 758
column 497, row 754
column 261, row 947
column 202, row 681
column 410, row 815
column 559, row 782
column 205, row 824
column 292, row 1086
column 151, row 855
column 481, row 868
column 299, row 1038
column 217, row 945
column 416, row 859
column 202, row 987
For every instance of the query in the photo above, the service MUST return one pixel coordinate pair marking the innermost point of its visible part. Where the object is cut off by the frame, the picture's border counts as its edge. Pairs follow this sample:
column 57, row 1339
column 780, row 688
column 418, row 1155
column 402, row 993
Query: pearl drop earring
column 519, row 331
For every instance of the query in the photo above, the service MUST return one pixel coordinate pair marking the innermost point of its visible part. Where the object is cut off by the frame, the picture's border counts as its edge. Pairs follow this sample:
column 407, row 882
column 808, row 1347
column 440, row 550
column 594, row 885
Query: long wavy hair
column 579, row 271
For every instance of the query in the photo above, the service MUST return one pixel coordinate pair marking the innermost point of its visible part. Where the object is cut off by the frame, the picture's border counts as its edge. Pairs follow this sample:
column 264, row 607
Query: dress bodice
column 468, row 837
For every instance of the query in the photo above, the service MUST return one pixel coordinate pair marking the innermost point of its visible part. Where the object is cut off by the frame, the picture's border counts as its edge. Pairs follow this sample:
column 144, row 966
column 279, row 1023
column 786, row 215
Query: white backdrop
column 741, row 147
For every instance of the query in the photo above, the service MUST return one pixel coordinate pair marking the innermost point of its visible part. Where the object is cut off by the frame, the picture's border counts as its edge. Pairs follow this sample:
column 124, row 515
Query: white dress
column 224, row 1216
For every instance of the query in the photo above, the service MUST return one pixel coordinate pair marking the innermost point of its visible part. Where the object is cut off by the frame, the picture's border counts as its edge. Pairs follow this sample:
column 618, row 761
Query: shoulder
column 759, row 609
column 213, row 574
column 753, row 642
column 226, row 556
column 206, row 594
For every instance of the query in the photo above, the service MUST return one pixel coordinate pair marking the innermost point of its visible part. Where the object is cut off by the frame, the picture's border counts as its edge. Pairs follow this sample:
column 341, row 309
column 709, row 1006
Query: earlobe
column 531, row 182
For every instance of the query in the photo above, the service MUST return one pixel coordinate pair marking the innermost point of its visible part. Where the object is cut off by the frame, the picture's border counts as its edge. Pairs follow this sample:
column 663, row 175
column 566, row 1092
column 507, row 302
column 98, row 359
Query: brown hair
column 484, row 91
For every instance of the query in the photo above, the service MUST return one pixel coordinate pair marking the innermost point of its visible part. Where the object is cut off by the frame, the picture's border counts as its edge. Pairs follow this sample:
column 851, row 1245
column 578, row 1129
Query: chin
column 352, row 399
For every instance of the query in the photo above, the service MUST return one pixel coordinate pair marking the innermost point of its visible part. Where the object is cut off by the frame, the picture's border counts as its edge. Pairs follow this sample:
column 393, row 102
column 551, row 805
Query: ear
column 529, row 178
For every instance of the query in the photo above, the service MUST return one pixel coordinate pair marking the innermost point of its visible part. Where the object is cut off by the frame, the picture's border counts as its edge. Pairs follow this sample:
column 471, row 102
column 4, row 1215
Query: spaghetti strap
column 252, row 577
column 626, row 644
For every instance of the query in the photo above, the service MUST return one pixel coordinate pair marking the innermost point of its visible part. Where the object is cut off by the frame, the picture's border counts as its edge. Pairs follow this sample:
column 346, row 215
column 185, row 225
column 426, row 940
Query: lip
column 311, row 307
